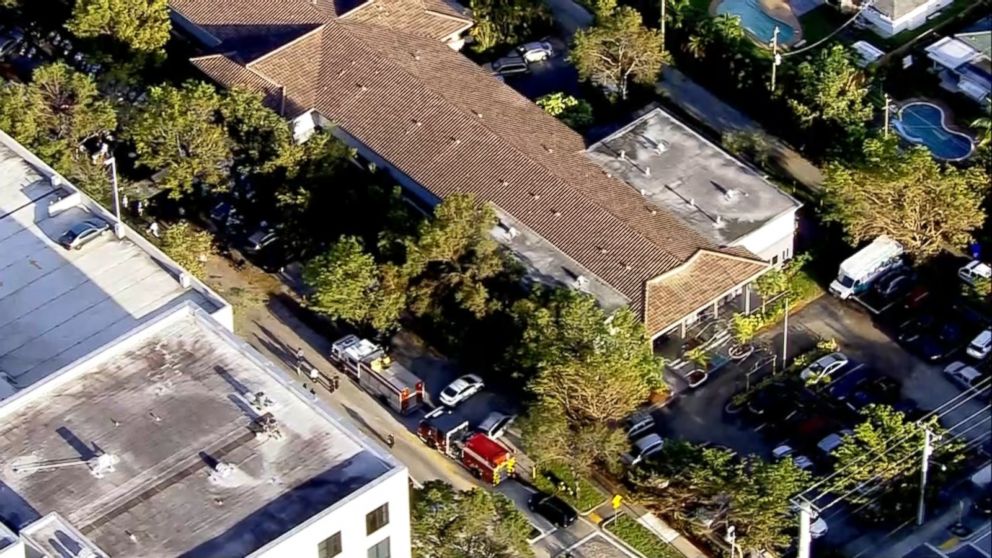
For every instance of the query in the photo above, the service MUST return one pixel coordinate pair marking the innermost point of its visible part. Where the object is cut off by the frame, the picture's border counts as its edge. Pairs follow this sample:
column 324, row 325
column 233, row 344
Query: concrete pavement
column 569, row 16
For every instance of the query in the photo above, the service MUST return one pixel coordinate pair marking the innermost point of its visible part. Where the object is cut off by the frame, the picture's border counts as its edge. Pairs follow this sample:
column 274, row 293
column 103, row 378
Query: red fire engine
column 447, row 432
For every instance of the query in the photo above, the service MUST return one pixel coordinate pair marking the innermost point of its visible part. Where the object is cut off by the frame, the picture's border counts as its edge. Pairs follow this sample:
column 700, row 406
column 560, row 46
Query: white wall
column 349, row 518
column 912, row 20
column 774, row 238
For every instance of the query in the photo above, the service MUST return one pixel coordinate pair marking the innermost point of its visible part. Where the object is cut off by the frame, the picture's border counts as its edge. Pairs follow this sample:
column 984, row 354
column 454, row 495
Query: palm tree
column 984, row 125
column 729, row 27
column 679, row 12
column 696, row 46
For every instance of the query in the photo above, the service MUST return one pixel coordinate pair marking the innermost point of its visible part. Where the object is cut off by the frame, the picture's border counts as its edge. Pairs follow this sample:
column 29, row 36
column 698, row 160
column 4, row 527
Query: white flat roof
column 168, row 400
column 678, row 170
column 951, row 52
column 58, row 305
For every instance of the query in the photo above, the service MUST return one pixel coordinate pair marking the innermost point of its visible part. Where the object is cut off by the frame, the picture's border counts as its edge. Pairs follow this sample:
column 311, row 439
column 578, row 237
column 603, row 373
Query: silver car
column 509, row 65
column 82, row 233
column 495, row 424
column 537, row 51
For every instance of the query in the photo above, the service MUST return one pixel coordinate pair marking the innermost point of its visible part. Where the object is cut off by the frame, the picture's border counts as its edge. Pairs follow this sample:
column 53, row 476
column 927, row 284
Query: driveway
column 550, row 76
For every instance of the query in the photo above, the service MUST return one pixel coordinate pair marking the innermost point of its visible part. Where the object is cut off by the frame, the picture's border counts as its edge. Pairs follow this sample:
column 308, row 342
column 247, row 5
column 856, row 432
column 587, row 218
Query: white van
column 857, row 272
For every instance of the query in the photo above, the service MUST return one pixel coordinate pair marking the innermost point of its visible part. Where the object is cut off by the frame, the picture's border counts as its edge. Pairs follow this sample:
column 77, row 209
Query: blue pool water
column 923, row 124
column 756, row 21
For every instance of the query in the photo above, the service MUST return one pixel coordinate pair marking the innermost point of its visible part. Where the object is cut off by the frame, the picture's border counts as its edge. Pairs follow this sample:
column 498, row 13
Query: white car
column 785, row 451
column 981, row 346
column 495, row 424
column 536, row 51
column 833, row 441
column 974, row 271
column 824, row 366
column 963, row 375
column 646, row 447
column 461, row 389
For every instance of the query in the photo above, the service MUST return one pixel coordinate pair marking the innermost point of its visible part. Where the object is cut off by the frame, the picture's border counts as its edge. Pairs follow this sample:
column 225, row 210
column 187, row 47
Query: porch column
column 716, row 307
column 682, row 329
column 747, row 299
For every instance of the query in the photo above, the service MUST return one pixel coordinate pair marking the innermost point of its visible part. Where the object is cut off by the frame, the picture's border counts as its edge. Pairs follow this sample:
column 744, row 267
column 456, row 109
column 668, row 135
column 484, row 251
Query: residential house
column 440, row 124
column 891, row 17
column 964, row 61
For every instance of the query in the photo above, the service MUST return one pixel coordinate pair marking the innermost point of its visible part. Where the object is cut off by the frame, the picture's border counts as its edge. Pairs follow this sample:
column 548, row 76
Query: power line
column 857, row 14
column 947, row 407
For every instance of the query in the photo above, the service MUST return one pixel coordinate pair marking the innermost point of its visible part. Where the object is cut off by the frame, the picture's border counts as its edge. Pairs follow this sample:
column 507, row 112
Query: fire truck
column 448, row 432
column 378, row 374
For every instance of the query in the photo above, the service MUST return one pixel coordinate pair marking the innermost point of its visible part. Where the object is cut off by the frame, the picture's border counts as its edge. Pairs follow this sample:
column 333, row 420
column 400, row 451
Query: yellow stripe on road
column 594, row 518
column 950, row 543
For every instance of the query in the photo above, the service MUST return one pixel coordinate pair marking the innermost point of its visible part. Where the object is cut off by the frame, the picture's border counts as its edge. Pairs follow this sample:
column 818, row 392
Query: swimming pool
column 925, row 124
column 756, row 22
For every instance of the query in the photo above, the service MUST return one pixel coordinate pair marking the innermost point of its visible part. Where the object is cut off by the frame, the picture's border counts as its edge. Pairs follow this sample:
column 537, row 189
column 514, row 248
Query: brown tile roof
column 224, row 70
column 451, row 127
column 236, row 19
column 685, row 290
column 435, row 18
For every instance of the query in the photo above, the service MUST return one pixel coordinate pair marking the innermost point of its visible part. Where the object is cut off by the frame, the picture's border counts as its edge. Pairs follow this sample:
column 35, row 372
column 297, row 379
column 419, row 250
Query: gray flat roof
column 168, row 401
column 57, row 305
column 676, row 169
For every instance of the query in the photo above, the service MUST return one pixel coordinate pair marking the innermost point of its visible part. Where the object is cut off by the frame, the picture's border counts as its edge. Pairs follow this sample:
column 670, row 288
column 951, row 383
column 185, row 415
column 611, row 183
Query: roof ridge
column 555, row 176
column 286, row 45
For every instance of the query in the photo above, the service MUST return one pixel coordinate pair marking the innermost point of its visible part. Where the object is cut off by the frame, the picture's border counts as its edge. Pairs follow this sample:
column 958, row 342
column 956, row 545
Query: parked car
column 832, row 441
column 963, row 375
column 883, row 390
column 939, row 344
column 895, row 283
column 850, row 381
column 461, row 389
column 981, row 345
column 974, row 271
column 261, row 238
column 83, row 233
column 824, row 366
column 552, row 508
column 535, row 52
column 508, row 65
column 786, row 451
column 9, row 40
column 639, row 423
column 495, row 424
column 645, row 447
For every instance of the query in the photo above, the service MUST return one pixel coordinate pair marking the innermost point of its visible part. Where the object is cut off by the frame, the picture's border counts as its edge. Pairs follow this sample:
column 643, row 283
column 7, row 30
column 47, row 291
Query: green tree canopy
column 906, row 194
column 54, row 114
column 142, row 25
column 575, row 113
column 617, row 49
column 447, row 523
column 178, row 130
column 549, row 437
column 885, row 446
column 343, row 281
column 694, row 483
column 599, row 368
column 506, row 22
column 188, row 246
column 451, row 256
column 832, row 89
column 263, row 139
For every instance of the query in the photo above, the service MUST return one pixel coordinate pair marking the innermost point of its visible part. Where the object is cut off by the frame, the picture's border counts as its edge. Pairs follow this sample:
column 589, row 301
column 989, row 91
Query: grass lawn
column 588, row 496
column 643, row 540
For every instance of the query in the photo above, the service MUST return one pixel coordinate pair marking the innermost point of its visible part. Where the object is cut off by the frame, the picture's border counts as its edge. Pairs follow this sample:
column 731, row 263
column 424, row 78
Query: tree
column 907, row 195
column 618, row 48
column 178, row 130
column 188, row 246
column 599, row 368
column 549, row 437
column 447, row 523
column 729, row 28
column 142, row 25
column 9, row 3
column 681, row 12
column 263, row 139
column 343, row 281
column 503, row 22
column 697, row 483
column 833, row 90
column 885, row 446
column 53, row 115
column 451, row 256
column 984, row 126
column 696, row 46
column 575, row 113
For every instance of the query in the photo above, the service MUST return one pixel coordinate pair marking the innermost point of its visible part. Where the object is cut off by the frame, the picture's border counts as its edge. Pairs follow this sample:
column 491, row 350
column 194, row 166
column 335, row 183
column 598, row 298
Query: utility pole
column 805, row 540
column 785, row 333
column 663, row 2
column 776, row 57
column 888, row 107
column 119, row 225
column 924, row 466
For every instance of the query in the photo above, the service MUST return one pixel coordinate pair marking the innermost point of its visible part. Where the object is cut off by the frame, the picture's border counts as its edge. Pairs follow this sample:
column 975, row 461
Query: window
column 377, row 519
column 380, row 549
column 330, row 547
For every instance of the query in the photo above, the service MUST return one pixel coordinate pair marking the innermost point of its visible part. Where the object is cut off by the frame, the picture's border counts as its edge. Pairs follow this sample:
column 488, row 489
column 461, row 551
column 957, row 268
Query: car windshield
column 449, row 391
column 79, row 229
column 845, row 280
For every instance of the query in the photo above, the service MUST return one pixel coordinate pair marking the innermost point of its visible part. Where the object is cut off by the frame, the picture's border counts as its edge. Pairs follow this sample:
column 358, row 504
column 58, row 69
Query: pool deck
column 778, row 9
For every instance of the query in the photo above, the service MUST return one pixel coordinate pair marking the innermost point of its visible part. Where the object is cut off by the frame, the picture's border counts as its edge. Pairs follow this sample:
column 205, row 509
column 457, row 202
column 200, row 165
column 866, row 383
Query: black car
column 939, row 343
column 553, row 509
column 83, row 232
column 910, row 330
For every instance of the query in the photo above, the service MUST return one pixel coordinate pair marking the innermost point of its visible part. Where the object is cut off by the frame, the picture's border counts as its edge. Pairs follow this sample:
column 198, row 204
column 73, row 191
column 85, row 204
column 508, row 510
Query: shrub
column 641, row 538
